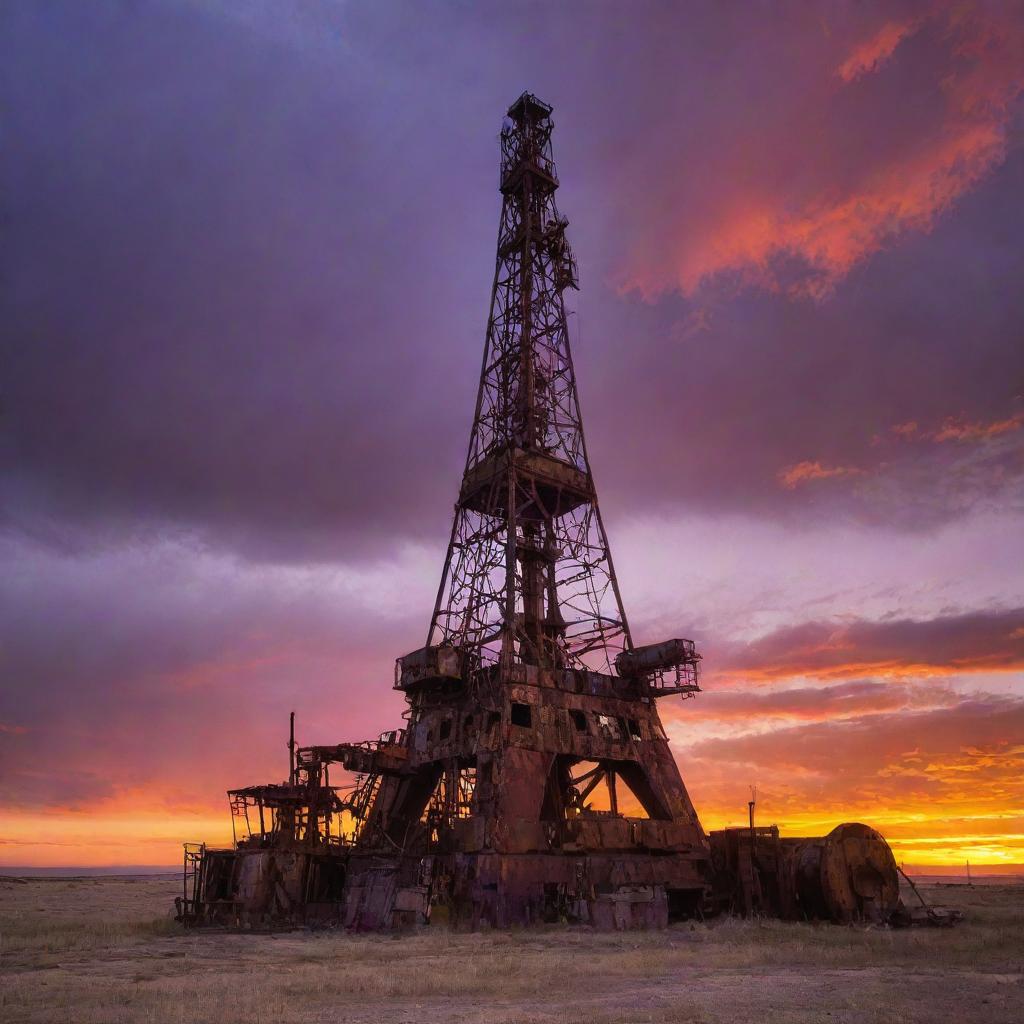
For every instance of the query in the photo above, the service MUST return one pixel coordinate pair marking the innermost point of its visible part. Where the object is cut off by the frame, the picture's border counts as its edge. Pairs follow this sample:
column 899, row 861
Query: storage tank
column 848, row 875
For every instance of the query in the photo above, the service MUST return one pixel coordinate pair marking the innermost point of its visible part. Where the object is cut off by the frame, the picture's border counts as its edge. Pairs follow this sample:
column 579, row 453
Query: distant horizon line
column 75, row 871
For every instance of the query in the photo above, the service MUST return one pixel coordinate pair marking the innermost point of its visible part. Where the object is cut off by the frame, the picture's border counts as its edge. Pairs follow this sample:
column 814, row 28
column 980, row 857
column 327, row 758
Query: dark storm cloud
column 247, row 258
column 231, row 289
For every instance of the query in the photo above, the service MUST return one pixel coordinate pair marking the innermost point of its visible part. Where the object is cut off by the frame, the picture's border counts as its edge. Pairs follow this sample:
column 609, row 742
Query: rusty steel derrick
column 539, row 780
column 533, row 780
column 528, row 576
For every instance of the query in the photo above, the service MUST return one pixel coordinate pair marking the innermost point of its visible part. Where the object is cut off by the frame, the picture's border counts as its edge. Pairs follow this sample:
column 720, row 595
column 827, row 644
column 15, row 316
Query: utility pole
column 291, row 749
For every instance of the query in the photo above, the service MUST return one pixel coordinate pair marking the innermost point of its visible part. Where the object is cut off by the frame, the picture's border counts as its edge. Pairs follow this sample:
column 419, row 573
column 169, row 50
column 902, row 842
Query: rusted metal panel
column 429, row 665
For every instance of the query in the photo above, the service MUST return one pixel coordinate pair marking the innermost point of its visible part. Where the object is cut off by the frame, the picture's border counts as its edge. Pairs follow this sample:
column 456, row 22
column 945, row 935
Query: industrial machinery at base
column 533, row 780
column 848, row 875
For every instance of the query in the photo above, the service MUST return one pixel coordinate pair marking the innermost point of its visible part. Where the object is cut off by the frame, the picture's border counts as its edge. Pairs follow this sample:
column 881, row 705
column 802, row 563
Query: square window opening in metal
column 521, row 715
column 683, row 904
column 579, row 719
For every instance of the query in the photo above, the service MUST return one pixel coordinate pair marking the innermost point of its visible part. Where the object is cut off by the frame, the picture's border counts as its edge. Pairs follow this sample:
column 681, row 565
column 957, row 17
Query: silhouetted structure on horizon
column 533, row 780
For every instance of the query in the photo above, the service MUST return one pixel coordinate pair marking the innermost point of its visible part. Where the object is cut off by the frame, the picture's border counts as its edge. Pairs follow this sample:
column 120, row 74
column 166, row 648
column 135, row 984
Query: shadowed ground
column 105, row 951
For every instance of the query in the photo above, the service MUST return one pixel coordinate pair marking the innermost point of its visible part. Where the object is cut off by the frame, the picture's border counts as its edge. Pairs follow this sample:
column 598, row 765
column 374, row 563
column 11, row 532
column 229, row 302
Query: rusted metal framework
column 538, row 781
column 528, row 576
column 533, row 781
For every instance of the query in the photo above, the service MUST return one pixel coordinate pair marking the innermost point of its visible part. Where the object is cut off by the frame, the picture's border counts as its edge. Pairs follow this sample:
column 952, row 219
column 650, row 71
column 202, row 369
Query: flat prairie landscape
column 106, row 951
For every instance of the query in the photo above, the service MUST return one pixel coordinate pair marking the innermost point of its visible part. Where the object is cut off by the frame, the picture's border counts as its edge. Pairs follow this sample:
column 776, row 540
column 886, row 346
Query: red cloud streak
column 803, row 232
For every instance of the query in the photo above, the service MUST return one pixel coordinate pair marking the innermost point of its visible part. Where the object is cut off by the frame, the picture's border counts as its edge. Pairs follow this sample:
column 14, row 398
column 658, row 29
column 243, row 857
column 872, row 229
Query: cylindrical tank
column 849, row 875
column 655, row 657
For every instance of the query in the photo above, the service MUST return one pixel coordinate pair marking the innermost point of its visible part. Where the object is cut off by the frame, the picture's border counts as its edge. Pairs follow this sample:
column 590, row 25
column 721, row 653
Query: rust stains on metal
column 533, row 780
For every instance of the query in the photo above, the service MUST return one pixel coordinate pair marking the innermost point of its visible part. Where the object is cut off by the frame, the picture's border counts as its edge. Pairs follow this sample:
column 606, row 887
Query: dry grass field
column 105, row 951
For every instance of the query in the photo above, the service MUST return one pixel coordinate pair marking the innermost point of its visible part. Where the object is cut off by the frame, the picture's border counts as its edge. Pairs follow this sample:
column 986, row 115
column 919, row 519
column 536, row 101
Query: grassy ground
column 105, row 951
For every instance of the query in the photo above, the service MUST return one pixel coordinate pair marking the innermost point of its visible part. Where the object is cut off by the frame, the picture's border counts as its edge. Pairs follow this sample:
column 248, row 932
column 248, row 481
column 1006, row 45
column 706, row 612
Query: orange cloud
column 832, row 237
column 879, row 48
column 906, row 430
column 804, row 242
column 961, row 430
column 958, row 428
column 942, row 784
column 802, row 472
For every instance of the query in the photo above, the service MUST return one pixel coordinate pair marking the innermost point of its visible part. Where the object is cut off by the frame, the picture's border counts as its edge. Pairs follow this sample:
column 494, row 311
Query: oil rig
column 533, row 780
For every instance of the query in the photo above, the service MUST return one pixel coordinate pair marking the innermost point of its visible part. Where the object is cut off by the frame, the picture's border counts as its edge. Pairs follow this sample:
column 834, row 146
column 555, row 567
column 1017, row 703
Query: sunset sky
column 247, row 254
